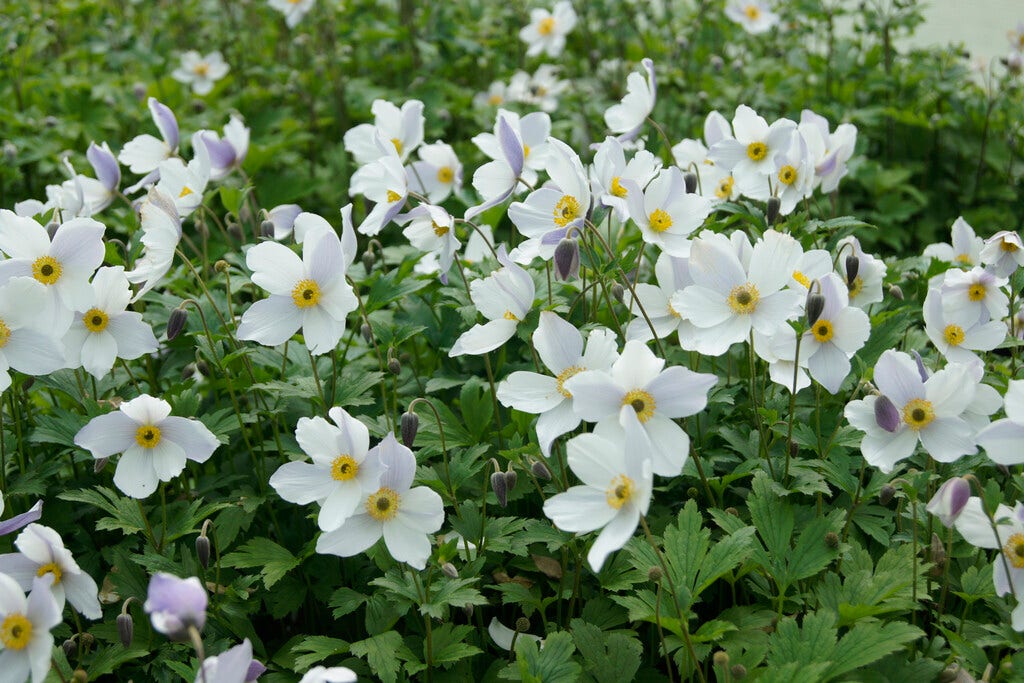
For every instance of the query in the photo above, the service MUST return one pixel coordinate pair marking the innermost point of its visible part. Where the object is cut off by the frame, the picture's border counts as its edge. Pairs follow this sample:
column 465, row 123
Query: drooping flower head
column 228, row 153
column 161, row 232
column 629, row 115
column 965, row 249
column 144, row 153
column 175, row 605
column 235, row 665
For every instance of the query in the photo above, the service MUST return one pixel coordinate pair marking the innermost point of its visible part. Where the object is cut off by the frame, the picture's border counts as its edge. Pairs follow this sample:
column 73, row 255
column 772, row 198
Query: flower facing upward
column 199, row 71
column 308, row 293
column 752, row 152
column 437, row 173
column 629, row 115
column 976, row 295
column 155, row 445
column 957, row 332
column 547, row 30
column 839, row 332
column 610, row 169
column 25, row 623
column 755, row 16
column 504, row 298
column 26, row 343
column 293, row 10
column 403, row 515
column 401, row 129
column 665, row 213
column 175, row 605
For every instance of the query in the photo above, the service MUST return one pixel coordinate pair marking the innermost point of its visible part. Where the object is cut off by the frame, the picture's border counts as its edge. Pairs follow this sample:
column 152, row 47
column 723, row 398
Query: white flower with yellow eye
column 405, row 516
column 154, row 444
column 547, row 30
column 340, row 474
column 41, row 551
column 665, row 212
column 530, row 134
column 610, row 168
column 866, row 286
column 432, row 229
column 186, row 183
column 385, row 183
column 105, row 331
column 753, row 150
column 504, row 297
column 755, row 16
column 25, row 623
column 437, row 174
column 401, row 129
column 63, row 265
column 615, row 465
column 975, row 293
column 1003, row 253
column 199, row 71
column 26, row 342
column 958, row 332
column 629, row 115
column 691, row 155
column 965, row 249
column 308, row 293
column 1004, row 531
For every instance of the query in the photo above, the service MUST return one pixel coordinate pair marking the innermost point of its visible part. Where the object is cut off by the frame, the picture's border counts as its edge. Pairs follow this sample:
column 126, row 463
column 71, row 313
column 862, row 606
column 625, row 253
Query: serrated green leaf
column 609, row 659
column 552, row 664
column 379, row 651
column 273, row 560
column 316, row 649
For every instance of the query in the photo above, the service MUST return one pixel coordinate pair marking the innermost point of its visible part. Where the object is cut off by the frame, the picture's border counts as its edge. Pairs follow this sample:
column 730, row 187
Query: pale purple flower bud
column 174, row 605
column 949, row 501
column 176, row 323
column 164, row 119
column 105, row 165
column 886, row 415
column 500, row 487
column 567, row 259
column 125, row 629
column 771, row 214
column 410, row 425
column 256, row 669
column 852, row 269
column 690, row 180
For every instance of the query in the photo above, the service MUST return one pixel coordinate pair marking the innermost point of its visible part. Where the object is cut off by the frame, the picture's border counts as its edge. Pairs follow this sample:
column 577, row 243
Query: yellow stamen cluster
column 753, row 12
column 445, row 175
column 344, row 468
column 963, row 258
column 822, row 331
column 757, row 151
column 976, row 292
column 743, row 299
column 1008, row 246
column 546, row 26
column 398, row 144
column 660, row 220
column 382, row 505
column 954, row 335
column 201, row 69
column 147, row 436
column 306, row 293
column 1014, row 550
column 724, row 189
column 51, row 568
column 617, row 189
column 16, row 632
column 509, row 315
column 918, row 413
column 641, row 402
column 95, row 320
column 566, row 210
column 185, row 191
column 620, row 492
column 46, row 269
column 855, row 287
column 564, row 375
column 5, row 334
column 441, row 230
column 393, row 196
column 526, row 151
column 801, row 278
column 787, row 175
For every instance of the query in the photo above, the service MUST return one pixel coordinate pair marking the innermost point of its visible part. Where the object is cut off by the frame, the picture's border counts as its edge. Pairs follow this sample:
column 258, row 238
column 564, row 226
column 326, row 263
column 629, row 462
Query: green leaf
column 273, row 560
column 552, row 664
column 449, row 644
column 125, row 515
column 608, row 659
column 380, row 651
column 772, row 516
column 345, row 601
column 868, row 642
column 316, row 649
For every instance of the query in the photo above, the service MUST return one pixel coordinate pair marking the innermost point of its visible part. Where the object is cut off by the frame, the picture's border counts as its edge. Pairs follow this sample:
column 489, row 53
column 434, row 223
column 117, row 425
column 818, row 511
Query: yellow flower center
column 641, row 402
column 724, row 189
column 660, row 220
column 801, row 278
column 440, row 230
column 46, row 269
column 398, row 144
column 526, row 151
column 918, row 413
column 743, row 299
column 1008, row 246
column 566, row 210
column 147, row 436
column 95, row 320
column 673, row 312
column 822, row 330
column 855, row 287
column 963, row 258
column 306, row 293
column 621, row 491
column 954, row 335
column 344, row 468
column 382, row 505
column 976, row 292
column 1014, row 550
column 445, row 175
column 509, row 315
column 5, row 334
column 566, row 374
column 617, row 189
column 753, row 12
column 185, row 191
column 15, row 632
column 495, row 100
column 201, row 69
column 757, row 151
column 546, row 26
column 51, row 568
column 393, row 196
column 787, row 175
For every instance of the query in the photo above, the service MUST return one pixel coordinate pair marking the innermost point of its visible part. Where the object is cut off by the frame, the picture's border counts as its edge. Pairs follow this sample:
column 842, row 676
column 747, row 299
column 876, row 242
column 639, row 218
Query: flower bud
column 771, row 214
column 692, row 492
column 449, row 570
column 267, row 230
column 203, row 550
column 732, row 511
column 79, row 676
column 617, row 291
column 540, row 470
column 51, row 228
column 886, row 494
column 511, row 478
column 895, row 292
column 367, row 332
column 99, row 464
column 815, row 305
column 70, row 648
column 690, row 179
column 738, row 671
column 567, row 259
column 86, row 639
column 176, row 323
column 832, row 540
column 522, row 625
column 950, row 500
column 654, row 574
column 467, row 609
column 394, row 367
column 234, row 229
column 125, row 628
column 410, row 425
column 368, row 260
column 886, row 415
column 721, row 658
column 500, row 487
column 937, row 553
column 852, row 268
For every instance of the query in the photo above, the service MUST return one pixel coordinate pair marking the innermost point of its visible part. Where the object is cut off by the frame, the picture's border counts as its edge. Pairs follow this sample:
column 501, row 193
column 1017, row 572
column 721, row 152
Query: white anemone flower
column 437, row 174
column 638, row 380
column 199, row 71
column 234, row 665
column 334, row 674
column 143, row 154
column 1003, row 438
column 958, row 333
column 99, row 192
column 753, row 150
column 929, row 411
column 965, row 249
column 610, row 168
column 1008, row 537
column 494, row 97
column 282, row 218
column 615, row 466
column 496, row 180
column 540, row 90
column 26, row 339
column 340, row 474
column 432, row 229
column 727, row 300
column 791, row 181
column 308, row 293
column 560, row 347
column 106, row 331
column 755, row 16
column 41, row 551
column 504, row 298
column 63, row 265
column 186, row 183
column 228, row 153
column 293, row 10
column 665, row 212
column 406, row 517
column 778, row 350
column 713, row 181
column 975, row 293
column 630, row 114
column 384, row 182
column 672, row 274
column 829, row 152
column 550, row 212
column 402, row 129
column 531, row 132
column 25, row 624
column 547, row 30
column 1003, row 253
column 161, row 231
column 154, row 444
column 866, row 287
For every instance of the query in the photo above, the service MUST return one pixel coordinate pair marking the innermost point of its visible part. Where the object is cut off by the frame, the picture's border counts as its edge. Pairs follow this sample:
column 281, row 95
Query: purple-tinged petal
column 164, row 119
column 105, row 165
column 18, row 521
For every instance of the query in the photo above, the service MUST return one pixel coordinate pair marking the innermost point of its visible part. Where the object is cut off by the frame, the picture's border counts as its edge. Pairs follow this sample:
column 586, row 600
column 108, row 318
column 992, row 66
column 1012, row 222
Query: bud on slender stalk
column 203, row 546
column 540, row 470
column 70, row 648
column 176, row 323
column 771, row 214
column 617, row 291
column 500, row 487
column 410, row 425
column 522, row 625
column 690, row 179
column 367, row 332
column 80, row 676
column 368, row 260
column 852, row 268
column 832, row 540
column 125, row 628
column 267, row 230
column 886, row 494
column 815, row 305
column 51, row 228
column 950, row 500
column 449, row 570
column 937, row 552
column 394, row 367
column 567, row 259
column 895, row 292
column 886, row 415
column 511, row 478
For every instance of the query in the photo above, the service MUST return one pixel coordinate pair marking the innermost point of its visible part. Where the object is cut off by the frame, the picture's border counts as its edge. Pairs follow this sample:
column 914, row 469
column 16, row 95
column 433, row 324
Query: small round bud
column 832, row 540
column 732, row 511
column 567, row 259
column 410, row 425
column 895, row 292
column 87, row 639
column 467, row 609
column 125, row 628
column 511, row 478
column 886, row 494
column 367, row 332
column 852, row 268
column 522, row 625
column 721, row 658
column 449, row 570
column 617, row 291
column 738, row 671
column 267, row 230
column 394, row 367
column 814, row 307
column 203, row 550
column 654, row 574
column 368, row 260
column 221, row 265
column 886, row 414
column 202, row 368
column 540, row 470
column 500, row 487
column 70, row 648
column 771, row 214
column 690, row 180
column 79, row 676
column 99, row 464
column 176, row 323
column 692, row 492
